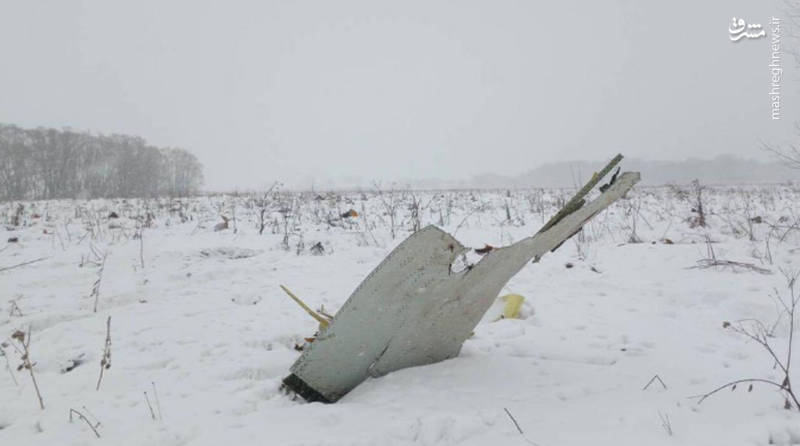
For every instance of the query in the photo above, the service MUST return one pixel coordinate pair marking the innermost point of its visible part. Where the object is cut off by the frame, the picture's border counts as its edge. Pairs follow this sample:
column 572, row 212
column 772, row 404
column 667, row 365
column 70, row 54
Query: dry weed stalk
column 83, row 417
column 519, row 429
column 654, row 379
column 757, row 331
column 712, row 261
column 263, row 204
column 105, row 363
column 158, row 403
column 666, row 423
column 96, row 285
column 8, row 364
column 14, row 309
column 140, row 235
column 6, row 268
column 150, row 406
column 24, row 349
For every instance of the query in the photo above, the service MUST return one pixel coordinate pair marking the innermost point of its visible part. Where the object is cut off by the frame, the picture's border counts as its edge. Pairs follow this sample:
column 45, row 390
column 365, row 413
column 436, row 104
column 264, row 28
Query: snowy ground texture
column 199, row 323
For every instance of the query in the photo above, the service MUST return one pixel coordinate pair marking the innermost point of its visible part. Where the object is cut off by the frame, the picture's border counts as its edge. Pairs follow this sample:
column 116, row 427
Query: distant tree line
column 46, row 163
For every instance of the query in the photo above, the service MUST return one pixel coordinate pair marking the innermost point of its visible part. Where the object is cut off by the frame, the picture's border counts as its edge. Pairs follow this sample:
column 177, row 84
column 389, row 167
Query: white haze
column 343, row 93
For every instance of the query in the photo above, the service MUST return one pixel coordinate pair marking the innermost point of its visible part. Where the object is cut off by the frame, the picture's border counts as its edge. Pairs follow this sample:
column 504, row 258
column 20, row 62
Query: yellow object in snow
column 323, row 322
column 513, row 305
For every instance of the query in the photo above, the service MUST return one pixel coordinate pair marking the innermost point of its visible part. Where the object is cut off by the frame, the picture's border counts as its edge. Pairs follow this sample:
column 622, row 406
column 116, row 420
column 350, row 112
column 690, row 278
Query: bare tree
column 788, row 153
column 46, row 163
column 391, row 202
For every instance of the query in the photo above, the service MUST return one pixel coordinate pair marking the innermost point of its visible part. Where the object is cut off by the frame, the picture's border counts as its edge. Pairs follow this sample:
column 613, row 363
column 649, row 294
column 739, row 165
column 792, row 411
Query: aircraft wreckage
column 413, row 309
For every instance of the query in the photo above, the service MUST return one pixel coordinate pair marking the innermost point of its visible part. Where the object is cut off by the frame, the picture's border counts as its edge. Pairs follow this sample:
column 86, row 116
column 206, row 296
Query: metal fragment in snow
column 413, row 309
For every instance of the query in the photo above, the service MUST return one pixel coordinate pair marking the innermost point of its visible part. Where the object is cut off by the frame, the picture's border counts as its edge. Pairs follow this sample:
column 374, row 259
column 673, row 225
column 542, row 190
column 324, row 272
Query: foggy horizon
column 357, row 92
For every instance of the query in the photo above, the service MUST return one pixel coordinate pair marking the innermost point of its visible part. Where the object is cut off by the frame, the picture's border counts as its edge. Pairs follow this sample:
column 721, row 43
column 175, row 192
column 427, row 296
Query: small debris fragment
column 113, row 215
column 323, row 321
column 71, row 363
column 13, row 240
column 512, row 307
column 569, row 265
column 485, row 250
column 221, row 226
column 350, row 214
column 604, row 187
column 317, row 249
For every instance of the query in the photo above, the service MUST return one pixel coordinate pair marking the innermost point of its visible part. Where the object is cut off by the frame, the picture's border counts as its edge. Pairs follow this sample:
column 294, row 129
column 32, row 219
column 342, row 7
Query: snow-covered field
column 199, row 323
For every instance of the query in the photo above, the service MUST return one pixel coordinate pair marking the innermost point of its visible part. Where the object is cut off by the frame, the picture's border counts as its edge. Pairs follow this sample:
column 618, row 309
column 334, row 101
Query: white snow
column 205, row 326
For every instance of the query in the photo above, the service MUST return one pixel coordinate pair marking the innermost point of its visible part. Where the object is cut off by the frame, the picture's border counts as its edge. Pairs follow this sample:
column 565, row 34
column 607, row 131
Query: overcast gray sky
column 352, row 91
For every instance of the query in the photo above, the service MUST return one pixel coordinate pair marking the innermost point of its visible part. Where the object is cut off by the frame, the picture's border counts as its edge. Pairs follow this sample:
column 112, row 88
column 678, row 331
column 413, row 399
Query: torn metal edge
column 294, row 384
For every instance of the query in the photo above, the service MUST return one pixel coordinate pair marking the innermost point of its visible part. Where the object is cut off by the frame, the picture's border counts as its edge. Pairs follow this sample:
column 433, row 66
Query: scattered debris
column 317, row 249
column 223, row 225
